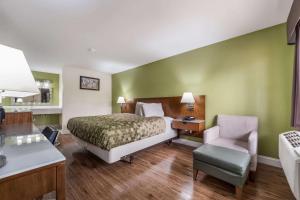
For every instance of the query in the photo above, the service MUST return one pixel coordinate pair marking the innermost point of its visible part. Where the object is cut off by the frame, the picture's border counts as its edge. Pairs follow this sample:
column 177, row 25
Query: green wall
column 247, row 75
column 49, row 119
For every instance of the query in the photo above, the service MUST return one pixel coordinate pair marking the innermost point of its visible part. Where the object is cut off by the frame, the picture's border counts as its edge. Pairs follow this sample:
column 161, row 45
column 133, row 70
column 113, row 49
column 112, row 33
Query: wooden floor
column 160, row 172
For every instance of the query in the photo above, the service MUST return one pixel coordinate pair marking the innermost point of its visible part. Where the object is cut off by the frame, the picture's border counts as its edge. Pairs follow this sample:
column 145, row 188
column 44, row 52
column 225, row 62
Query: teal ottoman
column 226, row 164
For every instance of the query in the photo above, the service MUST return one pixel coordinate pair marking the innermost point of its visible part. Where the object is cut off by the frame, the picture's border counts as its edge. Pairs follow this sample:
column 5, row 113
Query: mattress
column 110, row 131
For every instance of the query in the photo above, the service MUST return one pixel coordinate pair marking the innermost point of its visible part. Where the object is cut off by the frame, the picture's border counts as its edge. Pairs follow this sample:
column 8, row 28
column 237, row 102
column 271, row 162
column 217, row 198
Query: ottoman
column 226, row 164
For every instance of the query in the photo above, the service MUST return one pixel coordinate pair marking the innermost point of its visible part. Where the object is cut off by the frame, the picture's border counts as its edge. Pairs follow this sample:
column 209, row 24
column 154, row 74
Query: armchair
column 235, row 132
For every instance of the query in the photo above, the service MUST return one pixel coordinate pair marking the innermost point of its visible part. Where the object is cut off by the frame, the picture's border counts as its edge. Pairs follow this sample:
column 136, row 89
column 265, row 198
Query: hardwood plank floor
column 160, row 172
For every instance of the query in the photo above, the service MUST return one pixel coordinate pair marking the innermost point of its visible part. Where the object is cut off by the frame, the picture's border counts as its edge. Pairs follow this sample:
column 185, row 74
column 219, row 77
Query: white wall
column 77, row 102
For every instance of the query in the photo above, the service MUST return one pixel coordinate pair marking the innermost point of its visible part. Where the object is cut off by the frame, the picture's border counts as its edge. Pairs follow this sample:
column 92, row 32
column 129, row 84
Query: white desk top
column 27, row 152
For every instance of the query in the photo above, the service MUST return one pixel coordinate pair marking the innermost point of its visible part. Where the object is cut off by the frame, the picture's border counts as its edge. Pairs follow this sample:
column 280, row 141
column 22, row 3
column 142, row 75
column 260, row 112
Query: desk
column 34, row 166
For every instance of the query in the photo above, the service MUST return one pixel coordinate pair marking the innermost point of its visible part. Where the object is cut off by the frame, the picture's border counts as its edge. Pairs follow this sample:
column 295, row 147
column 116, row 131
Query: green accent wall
column 246, row 75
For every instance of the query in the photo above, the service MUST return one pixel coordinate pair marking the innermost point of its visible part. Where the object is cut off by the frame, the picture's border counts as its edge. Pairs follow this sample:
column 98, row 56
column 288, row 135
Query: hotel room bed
column 109, row 131
column 112, row 137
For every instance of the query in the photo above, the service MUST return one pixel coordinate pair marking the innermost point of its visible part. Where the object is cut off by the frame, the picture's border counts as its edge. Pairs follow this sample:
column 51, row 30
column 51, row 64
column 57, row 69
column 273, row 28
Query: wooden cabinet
column 35, row 183
column 192, row 128
column 18, row 117
column 34, row 166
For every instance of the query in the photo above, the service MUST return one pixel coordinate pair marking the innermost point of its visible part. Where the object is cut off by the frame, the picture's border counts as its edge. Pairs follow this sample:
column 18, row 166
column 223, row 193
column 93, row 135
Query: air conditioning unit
column 289, row 154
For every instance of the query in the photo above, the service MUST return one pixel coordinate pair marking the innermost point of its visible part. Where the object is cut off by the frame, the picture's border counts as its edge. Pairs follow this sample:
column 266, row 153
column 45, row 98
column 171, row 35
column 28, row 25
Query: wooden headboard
column 171, row 106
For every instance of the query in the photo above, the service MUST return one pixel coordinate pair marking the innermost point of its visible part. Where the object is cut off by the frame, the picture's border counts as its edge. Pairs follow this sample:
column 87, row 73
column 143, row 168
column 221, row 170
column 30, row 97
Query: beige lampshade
column 121, row 100
column 187, row 97
column 16, row 79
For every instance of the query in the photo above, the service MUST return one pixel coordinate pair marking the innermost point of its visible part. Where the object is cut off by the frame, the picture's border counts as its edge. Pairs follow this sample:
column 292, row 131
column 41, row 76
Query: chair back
column 236, row 127
column 50, row 133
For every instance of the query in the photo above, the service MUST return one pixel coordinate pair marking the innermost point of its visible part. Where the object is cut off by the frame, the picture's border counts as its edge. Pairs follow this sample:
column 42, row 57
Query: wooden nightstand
column 193, row 128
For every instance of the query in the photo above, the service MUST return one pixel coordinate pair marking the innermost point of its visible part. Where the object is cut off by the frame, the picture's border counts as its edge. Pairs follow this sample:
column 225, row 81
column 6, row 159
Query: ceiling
column 128, row 33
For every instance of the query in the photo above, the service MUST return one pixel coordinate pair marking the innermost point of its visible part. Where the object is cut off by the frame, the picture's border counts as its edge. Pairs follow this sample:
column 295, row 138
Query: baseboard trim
column 269, row 161
column 187, row 142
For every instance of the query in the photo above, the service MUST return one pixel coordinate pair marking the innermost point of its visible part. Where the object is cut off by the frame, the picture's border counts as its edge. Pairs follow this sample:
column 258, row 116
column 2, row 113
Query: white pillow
column 153, row 109
column 139, row 109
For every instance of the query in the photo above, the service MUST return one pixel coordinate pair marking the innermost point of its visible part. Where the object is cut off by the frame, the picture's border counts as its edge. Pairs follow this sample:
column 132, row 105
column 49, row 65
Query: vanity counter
column 36, row 110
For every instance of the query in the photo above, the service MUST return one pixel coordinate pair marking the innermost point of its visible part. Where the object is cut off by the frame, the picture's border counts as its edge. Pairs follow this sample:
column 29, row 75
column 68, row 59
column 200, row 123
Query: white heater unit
column 289, row 154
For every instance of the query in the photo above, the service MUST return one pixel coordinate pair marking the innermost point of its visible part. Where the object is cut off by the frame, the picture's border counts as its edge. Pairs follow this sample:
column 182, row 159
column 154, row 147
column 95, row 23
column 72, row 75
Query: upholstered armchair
column 235, row 132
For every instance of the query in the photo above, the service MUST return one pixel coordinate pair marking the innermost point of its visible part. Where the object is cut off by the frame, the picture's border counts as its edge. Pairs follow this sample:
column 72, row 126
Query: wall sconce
column 19, row 100
column 188, row 99
column 43, row 84
column 121, row 101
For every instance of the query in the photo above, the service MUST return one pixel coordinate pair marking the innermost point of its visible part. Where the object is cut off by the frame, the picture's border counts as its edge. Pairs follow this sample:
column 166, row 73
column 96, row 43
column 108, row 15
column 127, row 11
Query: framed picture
column 89, row 83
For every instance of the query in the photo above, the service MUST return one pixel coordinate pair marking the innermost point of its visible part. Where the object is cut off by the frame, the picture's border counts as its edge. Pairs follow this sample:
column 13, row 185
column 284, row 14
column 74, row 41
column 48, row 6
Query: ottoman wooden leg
column 238, row 192
column 252, row 176
column 195, row 173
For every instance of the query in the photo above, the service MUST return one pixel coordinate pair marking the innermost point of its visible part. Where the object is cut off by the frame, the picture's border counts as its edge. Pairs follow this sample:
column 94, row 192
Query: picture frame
column 89, row 83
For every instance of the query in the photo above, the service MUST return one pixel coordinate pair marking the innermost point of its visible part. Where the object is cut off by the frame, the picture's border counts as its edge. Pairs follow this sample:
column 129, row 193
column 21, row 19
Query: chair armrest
column 211, row 134
column 252, row 143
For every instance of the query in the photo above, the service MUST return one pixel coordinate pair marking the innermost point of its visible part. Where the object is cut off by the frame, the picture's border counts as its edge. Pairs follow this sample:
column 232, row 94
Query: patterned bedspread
column 109, row 131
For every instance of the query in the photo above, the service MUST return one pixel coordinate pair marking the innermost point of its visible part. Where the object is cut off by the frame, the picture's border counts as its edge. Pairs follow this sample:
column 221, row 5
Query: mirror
column 45, row 96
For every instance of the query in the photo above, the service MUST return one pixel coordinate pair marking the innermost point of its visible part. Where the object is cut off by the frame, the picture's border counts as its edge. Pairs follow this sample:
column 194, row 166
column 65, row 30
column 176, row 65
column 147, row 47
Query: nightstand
column 192, row 128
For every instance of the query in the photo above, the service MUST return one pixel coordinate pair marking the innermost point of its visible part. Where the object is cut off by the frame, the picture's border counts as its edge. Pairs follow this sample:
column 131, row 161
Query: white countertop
column 27, row 152
column 36, row 110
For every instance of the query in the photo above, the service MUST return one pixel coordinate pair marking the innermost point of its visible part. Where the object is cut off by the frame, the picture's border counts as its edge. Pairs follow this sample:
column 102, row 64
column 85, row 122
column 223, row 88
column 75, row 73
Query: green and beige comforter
column 109, row 131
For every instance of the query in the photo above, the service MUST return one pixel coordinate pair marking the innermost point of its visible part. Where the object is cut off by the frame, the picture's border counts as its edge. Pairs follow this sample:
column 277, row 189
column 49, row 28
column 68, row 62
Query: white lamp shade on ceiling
column 16, row 79
column 121, row 100
column 187, row 97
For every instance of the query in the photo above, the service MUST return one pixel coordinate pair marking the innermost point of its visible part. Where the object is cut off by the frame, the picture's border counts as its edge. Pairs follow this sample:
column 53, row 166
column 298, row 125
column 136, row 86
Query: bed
column 112, row 152
column 117, row 136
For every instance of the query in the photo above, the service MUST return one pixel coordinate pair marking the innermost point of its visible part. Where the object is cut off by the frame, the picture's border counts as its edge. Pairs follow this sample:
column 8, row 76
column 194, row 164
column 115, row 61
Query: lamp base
column 189, row 118
column 2, row 160
column 190, row 107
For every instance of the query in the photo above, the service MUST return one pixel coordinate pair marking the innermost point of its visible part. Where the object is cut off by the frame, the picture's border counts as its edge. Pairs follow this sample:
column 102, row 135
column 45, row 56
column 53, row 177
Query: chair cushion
column 228, row 159
column 231, row 144
column 236, row 127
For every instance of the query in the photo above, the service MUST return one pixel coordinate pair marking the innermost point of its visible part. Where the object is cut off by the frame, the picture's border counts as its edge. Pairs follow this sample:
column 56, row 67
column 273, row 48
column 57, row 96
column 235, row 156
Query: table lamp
column 16, row 80
column 188, row 99
column 121, row 101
